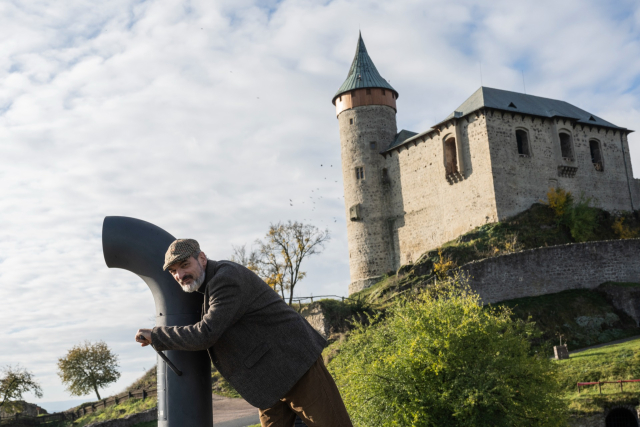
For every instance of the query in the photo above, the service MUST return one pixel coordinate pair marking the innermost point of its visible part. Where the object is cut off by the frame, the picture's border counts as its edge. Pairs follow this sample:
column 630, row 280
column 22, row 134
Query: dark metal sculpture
column 139, row 246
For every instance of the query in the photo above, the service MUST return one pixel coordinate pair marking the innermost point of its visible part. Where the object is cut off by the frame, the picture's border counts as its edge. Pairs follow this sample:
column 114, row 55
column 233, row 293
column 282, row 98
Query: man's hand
column 143, row 336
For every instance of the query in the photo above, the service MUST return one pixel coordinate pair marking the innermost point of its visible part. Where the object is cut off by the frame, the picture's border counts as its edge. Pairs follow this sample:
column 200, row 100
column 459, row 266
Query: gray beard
column 195, row 284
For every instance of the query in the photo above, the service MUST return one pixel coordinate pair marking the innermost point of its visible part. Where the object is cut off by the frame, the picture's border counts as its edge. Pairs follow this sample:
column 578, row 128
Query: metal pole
column 139, row 247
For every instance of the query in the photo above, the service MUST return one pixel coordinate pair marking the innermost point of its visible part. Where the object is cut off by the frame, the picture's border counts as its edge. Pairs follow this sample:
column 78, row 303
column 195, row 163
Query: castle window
column 450, row 156
column 384, row 92
column 350, row 121
column 353, row 93
column 596, row 155
column 368, row 91
column 522, row 139
column 385, row 176
column 340, row 98
column 373, row 145
column 565, row 146
column 360, row 173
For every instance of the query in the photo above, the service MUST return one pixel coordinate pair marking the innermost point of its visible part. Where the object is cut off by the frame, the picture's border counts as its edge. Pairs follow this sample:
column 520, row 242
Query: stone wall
column 555, row 269
column 625, row 298
column 364, row 131
column 521, row 181
column 425, row 208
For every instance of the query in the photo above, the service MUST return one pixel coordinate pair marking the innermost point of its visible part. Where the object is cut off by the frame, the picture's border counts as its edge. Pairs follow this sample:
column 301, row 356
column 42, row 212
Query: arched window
column 522, row 139
column 596, row 155
column 450, row 156
column 565, row 146
column 621, row 417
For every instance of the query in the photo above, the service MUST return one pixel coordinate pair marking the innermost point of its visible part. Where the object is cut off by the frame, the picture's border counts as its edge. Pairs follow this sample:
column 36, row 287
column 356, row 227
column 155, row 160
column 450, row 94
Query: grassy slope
column 117, row 411
column 534, row 228
column 607, row 363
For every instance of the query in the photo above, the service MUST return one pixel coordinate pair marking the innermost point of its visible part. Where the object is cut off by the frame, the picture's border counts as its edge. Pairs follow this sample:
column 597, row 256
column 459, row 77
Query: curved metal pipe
column 139, row 246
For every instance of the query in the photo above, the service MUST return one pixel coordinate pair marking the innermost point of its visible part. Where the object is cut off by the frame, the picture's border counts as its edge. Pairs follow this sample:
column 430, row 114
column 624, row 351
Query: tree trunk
column 97, row 394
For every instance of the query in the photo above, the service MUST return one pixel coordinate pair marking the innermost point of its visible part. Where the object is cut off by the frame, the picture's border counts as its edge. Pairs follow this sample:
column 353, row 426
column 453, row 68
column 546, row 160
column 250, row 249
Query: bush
column 441, row 358
column 578, row 216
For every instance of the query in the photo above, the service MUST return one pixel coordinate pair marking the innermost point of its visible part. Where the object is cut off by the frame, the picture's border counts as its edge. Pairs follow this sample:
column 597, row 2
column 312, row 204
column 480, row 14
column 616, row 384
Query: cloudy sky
column 207, row 118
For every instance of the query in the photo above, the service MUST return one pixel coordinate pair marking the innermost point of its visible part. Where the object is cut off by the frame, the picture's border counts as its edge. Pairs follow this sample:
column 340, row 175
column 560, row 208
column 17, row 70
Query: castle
column 493, row 157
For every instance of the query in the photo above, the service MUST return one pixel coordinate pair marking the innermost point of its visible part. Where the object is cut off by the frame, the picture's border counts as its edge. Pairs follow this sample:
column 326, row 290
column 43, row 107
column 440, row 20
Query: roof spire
column 363, row 74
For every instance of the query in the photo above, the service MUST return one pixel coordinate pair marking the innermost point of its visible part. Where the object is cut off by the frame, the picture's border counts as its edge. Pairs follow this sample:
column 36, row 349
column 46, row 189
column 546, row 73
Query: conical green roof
column 363, row 73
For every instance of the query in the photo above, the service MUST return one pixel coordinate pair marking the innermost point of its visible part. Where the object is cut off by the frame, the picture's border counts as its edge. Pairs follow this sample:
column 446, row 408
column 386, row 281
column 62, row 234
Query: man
column 266, row 350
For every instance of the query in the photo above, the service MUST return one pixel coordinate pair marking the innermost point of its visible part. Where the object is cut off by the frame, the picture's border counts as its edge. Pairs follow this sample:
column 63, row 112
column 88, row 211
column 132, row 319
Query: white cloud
column 205, row 118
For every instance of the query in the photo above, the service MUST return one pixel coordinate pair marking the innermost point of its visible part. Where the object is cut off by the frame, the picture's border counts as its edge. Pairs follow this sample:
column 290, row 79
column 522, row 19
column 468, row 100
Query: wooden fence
column 599, row 384
column 83, row 410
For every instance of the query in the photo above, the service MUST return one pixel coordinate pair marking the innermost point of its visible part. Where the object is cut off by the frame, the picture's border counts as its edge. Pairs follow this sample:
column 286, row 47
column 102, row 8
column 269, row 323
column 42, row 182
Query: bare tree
column 88, row 367
column 14, row 382
column 280, row 255
column 242, row 257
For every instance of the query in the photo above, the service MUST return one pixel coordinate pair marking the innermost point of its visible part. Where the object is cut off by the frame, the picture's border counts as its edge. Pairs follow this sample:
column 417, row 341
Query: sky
column 213, row 120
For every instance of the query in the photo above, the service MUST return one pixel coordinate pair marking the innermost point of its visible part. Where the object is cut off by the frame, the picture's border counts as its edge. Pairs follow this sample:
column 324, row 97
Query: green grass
column 608, row 363
column 147, row 424
column 121, row 410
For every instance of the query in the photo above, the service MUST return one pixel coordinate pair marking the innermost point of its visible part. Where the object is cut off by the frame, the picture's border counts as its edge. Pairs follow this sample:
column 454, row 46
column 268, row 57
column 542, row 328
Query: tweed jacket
column 255, row 340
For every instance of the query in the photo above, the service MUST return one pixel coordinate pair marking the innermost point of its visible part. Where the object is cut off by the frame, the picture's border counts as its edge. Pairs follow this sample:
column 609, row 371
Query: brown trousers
column 315, row 399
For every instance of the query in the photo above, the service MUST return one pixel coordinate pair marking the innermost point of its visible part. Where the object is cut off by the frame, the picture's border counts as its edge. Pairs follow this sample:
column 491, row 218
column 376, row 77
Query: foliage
column 622, row 230
column 221, row 386
column 441, row 358
column 578, row 216
column 608, row 363
column 247, row 259
column 583, row 317
column 280, row 255
column 121, row 410
column 88, row 367
column 560, row 201
column 14, row 382
column 442, row 266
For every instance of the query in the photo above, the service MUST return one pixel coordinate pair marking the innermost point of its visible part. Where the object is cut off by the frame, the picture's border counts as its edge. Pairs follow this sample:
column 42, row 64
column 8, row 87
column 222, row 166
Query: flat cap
column 180, row 250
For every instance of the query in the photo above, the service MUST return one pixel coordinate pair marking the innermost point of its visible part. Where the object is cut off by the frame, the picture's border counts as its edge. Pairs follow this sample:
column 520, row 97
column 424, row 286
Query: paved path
column 233, row 412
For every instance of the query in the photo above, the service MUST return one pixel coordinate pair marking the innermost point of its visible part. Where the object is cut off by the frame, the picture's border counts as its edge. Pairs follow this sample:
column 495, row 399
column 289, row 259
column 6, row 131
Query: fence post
column 578, row 384
column 621, row 386
column 600, row 387
column 144, row 394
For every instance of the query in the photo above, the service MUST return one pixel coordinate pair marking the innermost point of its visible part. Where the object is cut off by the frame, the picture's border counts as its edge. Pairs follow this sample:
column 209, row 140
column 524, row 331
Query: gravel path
column 233, row 412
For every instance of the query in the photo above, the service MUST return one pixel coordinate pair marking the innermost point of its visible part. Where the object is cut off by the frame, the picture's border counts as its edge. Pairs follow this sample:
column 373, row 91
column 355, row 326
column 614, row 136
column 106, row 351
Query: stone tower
column 366, row 110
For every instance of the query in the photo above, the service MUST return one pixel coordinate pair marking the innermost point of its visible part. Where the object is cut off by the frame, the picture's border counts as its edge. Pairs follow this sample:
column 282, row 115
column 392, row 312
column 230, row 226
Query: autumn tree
column 15, row 382
column 280, row 254
column 88, row 367
column 246, row 258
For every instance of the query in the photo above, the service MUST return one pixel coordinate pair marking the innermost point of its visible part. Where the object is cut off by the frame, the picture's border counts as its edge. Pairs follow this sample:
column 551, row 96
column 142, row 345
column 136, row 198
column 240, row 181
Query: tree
column 14, row 382
column 280, row 255
column 247, row 259
column 441, row 358
column 88, row 367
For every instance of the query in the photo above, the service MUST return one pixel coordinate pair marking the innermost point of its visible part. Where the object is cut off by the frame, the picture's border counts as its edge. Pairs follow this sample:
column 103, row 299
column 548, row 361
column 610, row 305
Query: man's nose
column 180, row 274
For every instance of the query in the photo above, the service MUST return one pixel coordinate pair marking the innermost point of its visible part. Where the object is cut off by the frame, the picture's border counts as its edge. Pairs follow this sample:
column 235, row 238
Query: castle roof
column 514, row 102
column 363, row 74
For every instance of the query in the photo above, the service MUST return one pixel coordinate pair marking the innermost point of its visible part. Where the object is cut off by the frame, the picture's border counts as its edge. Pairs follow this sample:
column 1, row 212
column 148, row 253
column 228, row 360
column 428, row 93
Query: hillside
column 538, row 226
column 608, row 363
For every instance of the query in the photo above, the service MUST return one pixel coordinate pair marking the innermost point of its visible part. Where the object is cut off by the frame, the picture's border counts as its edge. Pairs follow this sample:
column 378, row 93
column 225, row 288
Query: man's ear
column 202, row 259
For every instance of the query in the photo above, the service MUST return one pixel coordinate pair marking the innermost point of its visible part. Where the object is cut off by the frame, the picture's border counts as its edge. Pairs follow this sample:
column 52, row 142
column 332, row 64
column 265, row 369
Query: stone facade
column 554, row 269
column 521, row 181
column 408, row 193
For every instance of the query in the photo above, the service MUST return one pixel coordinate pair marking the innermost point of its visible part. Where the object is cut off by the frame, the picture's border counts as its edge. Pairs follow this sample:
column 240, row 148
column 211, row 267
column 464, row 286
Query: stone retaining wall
column 554, row 269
